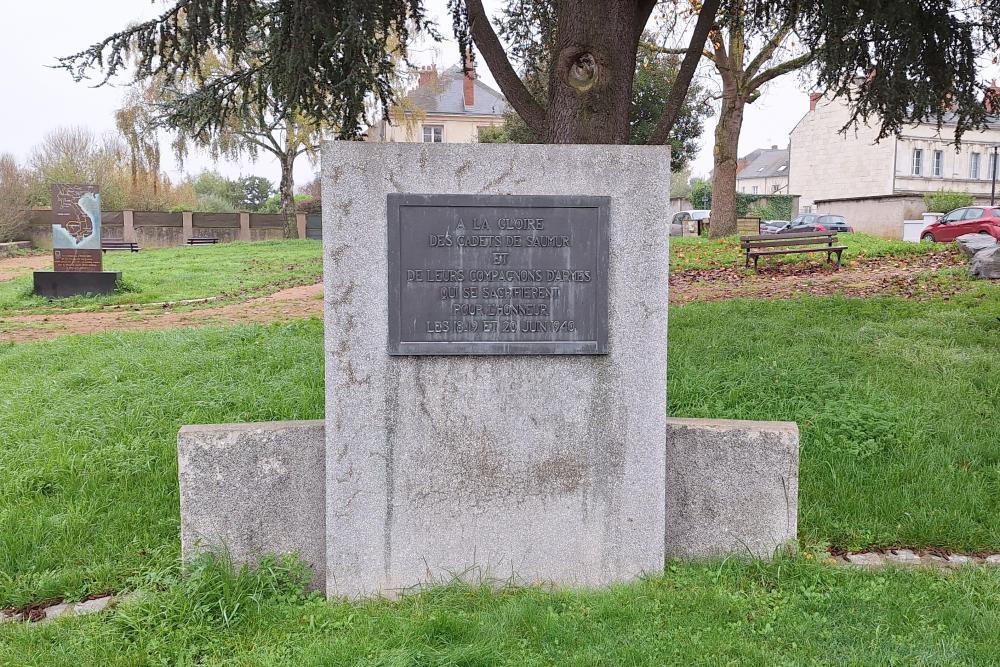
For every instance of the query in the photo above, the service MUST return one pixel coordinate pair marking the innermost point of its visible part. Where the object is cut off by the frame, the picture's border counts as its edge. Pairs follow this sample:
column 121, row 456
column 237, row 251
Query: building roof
column 765, row 163
column 447, row 96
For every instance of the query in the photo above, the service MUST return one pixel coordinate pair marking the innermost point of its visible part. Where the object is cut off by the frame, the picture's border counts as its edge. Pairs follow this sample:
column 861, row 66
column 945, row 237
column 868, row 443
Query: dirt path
column 296, row 302
column 874, row 278
column 13, row 267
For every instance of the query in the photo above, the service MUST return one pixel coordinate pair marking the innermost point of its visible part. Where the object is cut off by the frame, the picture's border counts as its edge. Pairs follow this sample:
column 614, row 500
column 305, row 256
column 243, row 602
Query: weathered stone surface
column 970, row 244
column 986, row 264
column 254, row 489
column 993, row 559
column 94, row 606
column 865, row 560
column 499, row 468
column 57, row 610
column 959, row 559
column 732, row 487
column 903, row 557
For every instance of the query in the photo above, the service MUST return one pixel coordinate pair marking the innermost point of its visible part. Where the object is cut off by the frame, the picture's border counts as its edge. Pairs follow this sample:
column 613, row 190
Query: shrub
column 14, row 191
column 944, row 201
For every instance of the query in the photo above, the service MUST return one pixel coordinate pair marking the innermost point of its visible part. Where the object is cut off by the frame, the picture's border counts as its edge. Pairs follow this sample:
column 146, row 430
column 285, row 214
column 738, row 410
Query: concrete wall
column 158, row 229
column 525, row 468
column 881, row 216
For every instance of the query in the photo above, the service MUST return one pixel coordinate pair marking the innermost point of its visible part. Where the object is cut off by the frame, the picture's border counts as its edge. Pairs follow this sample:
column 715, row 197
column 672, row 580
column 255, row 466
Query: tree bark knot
column 582, row 72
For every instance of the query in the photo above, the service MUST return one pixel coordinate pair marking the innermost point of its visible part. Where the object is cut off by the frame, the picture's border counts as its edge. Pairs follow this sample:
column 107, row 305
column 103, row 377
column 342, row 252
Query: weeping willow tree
column 896, row 62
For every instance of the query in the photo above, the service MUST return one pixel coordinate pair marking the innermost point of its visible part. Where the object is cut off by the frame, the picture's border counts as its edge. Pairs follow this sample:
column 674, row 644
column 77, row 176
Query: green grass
column 232, row 270
column 792, row 612
column 896, row 402
column 694, row 252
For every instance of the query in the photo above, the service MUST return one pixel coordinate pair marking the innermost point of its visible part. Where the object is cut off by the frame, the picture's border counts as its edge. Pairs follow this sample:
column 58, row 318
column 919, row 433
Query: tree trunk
column 286, row 191
column 593, row 65
column 727, row 139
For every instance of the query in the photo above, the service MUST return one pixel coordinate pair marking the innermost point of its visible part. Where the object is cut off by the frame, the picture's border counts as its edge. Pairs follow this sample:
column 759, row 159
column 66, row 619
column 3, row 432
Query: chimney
column 469, row 87
column 992, row 99
column 428, row 75
column 774, row 147
column 814, row 99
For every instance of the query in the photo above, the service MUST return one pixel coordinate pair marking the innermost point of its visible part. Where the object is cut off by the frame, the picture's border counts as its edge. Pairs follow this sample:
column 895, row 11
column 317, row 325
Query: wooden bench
column 119, row 245
column 202, row 240
column 768, row 245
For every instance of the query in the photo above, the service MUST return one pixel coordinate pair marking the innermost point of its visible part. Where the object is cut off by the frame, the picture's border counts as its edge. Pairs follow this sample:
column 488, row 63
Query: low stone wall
column 12, row 247
column 158, row 229
column 254, row 489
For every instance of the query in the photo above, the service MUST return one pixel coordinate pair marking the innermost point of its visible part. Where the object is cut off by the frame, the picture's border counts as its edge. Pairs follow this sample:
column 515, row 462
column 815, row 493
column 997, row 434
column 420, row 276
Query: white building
column 878, row 185
column 763, row 172
column 445, row 107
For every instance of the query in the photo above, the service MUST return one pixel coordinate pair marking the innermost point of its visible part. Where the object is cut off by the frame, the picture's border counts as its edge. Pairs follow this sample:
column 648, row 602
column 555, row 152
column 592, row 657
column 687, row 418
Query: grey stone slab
column 866, row 559
column 986, row 264
column 249, row 490
column 732, row 487
column 94, row 606
column 970, row 244
column 959, row 559
column 903, row 557
column 57, row 610
column 507, row 467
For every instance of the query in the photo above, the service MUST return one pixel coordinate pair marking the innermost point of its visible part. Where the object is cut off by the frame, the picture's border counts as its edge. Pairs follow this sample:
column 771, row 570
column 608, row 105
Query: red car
column 972, row 220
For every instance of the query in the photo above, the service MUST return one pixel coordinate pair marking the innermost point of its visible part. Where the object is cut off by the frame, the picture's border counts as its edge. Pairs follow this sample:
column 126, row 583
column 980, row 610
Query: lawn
column 896, row 402
column 694, row 252
column 793, row 612
column 231, row 270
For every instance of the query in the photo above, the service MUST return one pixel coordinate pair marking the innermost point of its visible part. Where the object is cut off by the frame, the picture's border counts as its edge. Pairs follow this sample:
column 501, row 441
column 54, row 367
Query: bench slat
column 800, row 235
column 778, row 243
column 761, row 253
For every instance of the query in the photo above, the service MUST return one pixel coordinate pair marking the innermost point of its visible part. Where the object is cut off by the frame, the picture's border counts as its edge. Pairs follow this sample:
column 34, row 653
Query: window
column 918, row 161
column 939, row 163
column 775, row 188
column 973, row 213
column 433, row 134
column 974, row 165
column 754, row 190
column 957, row 214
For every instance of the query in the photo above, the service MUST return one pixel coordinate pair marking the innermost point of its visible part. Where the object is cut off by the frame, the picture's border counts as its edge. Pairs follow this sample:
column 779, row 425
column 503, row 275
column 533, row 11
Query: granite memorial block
column 495, row 345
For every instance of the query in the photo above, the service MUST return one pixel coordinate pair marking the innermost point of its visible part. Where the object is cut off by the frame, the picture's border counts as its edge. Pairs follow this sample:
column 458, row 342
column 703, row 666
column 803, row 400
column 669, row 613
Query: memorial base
column 62, row 284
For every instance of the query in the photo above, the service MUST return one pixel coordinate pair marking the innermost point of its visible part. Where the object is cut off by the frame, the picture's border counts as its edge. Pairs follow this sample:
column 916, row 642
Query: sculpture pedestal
column 61, row 284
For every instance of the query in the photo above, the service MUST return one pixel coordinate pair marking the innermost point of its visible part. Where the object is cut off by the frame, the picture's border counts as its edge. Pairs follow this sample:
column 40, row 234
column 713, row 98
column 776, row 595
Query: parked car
column 970, row 220
column 774, row 226
column 817, row 222
column 680, row 219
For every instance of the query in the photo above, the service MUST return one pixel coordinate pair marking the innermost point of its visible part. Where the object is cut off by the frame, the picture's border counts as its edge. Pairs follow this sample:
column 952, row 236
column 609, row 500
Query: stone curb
column 43, row 615
column 910, row 558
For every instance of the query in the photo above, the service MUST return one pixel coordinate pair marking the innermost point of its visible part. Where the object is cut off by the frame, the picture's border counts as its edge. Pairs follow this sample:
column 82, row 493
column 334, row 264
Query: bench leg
column 755, row 258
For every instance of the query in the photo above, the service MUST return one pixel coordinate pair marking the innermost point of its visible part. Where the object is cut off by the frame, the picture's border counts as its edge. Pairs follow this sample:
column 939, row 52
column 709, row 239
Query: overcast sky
column 39, row 99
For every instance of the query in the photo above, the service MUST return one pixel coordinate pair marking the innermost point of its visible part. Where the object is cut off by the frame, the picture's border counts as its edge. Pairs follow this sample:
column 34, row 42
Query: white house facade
column 876, row 185
column 763, row 172
column 447, row 107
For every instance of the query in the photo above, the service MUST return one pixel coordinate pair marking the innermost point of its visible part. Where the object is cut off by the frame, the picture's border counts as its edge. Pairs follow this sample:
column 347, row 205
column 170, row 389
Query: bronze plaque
column 498, row 274
column 76, row 228
column 77, row 260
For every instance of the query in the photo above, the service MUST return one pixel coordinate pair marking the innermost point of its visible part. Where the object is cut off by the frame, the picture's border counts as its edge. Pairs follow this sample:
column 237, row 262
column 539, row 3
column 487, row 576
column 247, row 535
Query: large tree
column 916, row 60
column 742, row 73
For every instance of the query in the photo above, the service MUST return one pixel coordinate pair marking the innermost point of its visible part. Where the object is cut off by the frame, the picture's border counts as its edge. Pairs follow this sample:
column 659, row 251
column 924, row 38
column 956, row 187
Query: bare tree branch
column 778, row 70
column 672, row 109
column 526, row 106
